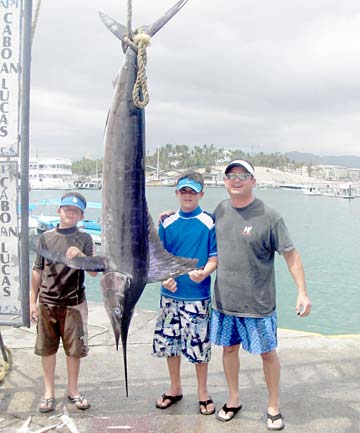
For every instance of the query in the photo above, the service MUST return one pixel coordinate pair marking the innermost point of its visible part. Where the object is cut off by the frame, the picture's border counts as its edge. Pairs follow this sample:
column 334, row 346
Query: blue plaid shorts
column 183, row 327
column 256, row 335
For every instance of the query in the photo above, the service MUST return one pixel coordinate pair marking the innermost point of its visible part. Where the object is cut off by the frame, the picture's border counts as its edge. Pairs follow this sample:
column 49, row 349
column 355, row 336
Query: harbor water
column 325, row 230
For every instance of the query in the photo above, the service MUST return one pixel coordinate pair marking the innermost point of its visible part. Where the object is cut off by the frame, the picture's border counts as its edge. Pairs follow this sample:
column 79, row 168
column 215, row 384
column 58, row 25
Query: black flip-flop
column 275, row 418
column 226, row 409
column 173, row 399
column 204, row 403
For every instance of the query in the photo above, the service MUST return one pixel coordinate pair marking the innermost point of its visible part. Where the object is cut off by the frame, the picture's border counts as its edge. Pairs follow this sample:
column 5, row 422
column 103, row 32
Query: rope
column 142, row 41
column 129, row 18
column 138, row 43
column 5, row 366
column 35, row 20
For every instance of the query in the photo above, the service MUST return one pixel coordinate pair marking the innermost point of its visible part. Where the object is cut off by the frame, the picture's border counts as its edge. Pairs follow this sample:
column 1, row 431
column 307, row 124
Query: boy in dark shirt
column 58, row 303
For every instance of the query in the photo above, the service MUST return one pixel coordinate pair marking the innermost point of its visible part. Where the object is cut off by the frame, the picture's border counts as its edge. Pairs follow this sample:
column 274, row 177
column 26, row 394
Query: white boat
column 340, row 191
column 311, row 190
column 50, row 173
column 345, row 191
column 92, row 184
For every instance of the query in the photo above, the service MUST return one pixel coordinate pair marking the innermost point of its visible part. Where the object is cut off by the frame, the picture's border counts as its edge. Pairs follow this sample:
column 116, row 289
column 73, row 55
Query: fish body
column 132, row 253
column 130, row 243
column 125, row 238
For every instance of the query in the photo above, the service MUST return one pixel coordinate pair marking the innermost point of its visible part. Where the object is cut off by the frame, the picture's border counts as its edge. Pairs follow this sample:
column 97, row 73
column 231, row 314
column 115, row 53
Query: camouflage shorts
column 183, row 327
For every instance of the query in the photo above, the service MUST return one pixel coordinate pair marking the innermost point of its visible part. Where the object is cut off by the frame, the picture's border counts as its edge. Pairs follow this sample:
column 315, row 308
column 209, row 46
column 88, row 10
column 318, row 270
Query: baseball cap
column 190, row 183
column 240, row 163
column 73, row 201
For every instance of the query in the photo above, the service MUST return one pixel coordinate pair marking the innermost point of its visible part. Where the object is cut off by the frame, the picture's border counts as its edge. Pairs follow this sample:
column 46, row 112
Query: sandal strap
column 172, row 398
column 77, row 398
column 274, row 417
column 227, row 409
column 205, row 402
column 47, row 400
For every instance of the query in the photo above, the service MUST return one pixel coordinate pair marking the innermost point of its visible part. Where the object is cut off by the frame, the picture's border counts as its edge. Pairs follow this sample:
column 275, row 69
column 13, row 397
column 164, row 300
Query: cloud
column 280, row 77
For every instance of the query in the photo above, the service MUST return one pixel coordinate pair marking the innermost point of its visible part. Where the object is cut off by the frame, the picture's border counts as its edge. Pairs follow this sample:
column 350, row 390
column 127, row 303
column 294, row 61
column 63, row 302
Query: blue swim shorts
column 183, row 327
column 256, row 335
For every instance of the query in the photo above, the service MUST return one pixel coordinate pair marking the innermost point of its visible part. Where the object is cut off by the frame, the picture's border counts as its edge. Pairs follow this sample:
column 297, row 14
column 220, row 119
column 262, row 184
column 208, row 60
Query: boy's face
column 188, row 198
column 69, row 216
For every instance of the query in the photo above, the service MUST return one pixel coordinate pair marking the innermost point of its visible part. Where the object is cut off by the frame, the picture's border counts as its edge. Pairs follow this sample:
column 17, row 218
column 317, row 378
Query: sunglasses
column 240, row 176
column 187, row 191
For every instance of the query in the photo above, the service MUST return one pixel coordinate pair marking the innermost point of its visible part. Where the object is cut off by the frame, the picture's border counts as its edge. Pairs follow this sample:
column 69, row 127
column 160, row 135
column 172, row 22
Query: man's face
column 239, row 183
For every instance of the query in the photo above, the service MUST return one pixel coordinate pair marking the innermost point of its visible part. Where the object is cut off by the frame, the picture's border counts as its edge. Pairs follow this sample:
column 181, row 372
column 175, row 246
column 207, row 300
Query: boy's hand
column 72, row 252
column 197, row 275
column 170, row 284
column 33, row 313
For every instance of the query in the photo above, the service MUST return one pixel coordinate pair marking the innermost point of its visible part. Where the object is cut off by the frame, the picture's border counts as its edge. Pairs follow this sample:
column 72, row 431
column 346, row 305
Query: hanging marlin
column 132, row 253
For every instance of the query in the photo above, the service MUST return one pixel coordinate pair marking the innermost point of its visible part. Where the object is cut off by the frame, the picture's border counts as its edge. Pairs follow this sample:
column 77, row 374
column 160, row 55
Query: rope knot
column 140, row 92
column 142, row 39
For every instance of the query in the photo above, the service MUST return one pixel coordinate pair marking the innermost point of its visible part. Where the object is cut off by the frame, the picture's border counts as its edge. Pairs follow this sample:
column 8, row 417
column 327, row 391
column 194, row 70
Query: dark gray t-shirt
column 247, row 239
column 61, row 285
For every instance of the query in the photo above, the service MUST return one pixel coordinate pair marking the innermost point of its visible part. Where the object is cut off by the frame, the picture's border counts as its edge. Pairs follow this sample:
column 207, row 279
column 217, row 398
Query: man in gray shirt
column 248, row 234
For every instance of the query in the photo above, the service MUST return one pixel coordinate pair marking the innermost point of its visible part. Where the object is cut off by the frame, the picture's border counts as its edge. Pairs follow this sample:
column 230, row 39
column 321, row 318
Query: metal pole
column 25, row 120
column 3, row 350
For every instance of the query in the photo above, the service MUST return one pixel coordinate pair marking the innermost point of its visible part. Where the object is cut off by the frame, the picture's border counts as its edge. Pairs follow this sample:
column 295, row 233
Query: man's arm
column 36, row 276
column 296, row 269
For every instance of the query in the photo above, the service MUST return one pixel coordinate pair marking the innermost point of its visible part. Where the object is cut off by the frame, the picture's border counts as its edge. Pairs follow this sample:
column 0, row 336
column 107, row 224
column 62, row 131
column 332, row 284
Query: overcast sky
column 258, row 76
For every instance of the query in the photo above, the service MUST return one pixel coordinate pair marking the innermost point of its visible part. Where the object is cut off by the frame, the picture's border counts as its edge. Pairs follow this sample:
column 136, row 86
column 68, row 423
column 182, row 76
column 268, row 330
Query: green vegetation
column 87, row 167
column 182, row 156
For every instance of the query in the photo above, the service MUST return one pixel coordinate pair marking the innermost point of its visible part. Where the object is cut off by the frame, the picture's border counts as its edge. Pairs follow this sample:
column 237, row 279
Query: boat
column 311, row 190
column 291, row 186
column 92, row 184
column 39, row 223
column 90, row 226
column 345, row 191
column 50, row 173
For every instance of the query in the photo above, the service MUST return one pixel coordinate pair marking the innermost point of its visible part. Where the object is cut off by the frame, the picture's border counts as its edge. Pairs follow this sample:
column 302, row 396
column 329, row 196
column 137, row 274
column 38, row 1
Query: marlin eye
column 117, row 311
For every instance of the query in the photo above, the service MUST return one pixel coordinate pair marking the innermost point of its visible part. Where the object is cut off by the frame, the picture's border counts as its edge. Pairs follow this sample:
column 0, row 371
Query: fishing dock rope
column 139, row 42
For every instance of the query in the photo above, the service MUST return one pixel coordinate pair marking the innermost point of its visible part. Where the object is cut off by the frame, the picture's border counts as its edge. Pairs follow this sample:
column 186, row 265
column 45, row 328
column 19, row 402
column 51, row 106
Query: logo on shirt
column 247, row 230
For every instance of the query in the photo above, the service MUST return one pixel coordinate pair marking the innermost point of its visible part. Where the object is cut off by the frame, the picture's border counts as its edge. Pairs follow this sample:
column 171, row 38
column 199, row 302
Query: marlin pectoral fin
column 116, row 28
column 95, row 263
column 158, row 24
column 164, row 265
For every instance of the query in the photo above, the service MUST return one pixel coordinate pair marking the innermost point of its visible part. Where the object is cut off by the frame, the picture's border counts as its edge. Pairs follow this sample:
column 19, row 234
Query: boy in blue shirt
column 183, row 324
